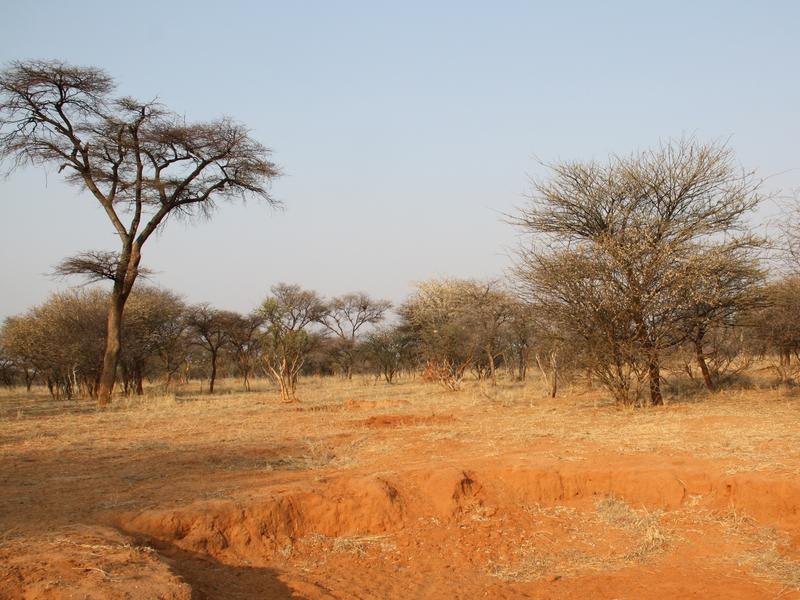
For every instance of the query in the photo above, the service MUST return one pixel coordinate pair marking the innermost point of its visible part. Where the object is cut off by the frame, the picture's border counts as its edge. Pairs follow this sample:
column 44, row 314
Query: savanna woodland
column 615, row 416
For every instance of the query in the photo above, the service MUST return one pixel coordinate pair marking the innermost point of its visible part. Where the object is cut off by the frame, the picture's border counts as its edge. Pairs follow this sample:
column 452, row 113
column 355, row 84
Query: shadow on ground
column 213, row 580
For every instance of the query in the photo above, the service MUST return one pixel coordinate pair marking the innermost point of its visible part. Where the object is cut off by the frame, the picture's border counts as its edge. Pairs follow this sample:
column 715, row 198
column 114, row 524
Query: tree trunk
column 492, row 369
column 542, row 370
column 113, row 336
column 288, row 386
column 351, row 359
column 701, row 362
column 125, row 276
column 139, row 383
column 282, row 375
column 213, row 372
column 284, row 385
column 654, row 372
column 524, row 357
column 785, row 357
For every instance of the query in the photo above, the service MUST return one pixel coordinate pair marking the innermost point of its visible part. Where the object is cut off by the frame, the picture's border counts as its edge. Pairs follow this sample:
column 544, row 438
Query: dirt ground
column 365, row 490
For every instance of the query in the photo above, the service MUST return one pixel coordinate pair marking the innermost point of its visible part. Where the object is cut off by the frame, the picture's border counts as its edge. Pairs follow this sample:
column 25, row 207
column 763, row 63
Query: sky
column 405, row 130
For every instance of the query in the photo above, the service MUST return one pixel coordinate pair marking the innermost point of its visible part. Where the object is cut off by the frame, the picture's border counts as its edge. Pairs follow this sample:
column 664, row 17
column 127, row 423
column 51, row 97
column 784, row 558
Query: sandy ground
column 365, row 490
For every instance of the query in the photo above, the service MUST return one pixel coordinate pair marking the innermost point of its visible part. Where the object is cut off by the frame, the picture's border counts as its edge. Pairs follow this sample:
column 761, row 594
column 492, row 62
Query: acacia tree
column 62, row 340
column 487, row 310
column 776, row 325
column 789, row 228
column 436, row 317
column 388, row 349
column 141, row 162
column 727, row 290
column 288, row 314
column 245, row 343
column 210, row 328
column 458, row 324
column 519, row 339
column 153, row 330
column 573, row 294
column 8, row 372
column 620, row 251
column 345, row 316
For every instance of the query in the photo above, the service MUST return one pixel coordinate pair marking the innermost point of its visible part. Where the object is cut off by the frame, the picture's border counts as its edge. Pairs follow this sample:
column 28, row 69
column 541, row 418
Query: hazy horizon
column 404, row 132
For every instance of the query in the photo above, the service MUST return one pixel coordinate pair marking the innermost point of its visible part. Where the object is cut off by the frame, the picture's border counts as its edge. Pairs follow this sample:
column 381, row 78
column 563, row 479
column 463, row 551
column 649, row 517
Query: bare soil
column 365, row 490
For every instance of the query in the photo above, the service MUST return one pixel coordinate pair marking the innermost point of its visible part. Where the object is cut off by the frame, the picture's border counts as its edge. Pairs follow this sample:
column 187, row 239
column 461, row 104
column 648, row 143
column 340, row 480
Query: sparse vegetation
column 483, row 437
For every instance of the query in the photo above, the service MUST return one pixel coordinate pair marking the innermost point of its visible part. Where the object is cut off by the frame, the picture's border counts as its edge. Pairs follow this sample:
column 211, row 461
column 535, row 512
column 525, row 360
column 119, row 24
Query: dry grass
column 651, row 536
column 751, row 430
column 762, row 551
column 613, row 537
column 770, row 563
column 747, row 430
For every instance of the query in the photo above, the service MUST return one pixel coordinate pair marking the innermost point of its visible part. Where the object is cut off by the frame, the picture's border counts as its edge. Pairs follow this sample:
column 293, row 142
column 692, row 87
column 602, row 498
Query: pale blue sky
column 405, row 129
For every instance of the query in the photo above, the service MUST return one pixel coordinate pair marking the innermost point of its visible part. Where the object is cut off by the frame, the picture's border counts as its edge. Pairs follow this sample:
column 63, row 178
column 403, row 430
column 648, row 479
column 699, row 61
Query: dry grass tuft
column 764, row 552
column 532, row 565
column 647, row 526
column 359, row 546
column 770, row 563
column 584, row 544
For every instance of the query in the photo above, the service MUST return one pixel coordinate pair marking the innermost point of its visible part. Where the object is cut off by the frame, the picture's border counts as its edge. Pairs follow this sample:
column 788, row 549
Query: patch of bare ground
column 491, row 492
column 86, row 562
column 403, row 420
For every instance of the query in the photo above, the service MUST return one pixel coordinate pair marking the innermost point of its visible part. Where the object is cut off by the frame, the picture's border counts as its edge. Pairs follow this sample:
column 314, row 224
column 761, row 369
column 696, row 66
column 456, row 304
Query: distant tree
column 388, row 350
column 520, row 338
column 435, row 316
column 244, row 337
column 62, row 340
column 619, row 252
column 345, row 316
column 324, row 355
column 289, row 313
column 18, row 342
column 154, row 325
column 776, row 325
column 141, row 163
column 729, row 288
column 488, row 309
column 16, row 352
column 8, row 372
column 458, row 324
column 728, row 350
column 174, row 348
column 789, row 233
column 210, row 329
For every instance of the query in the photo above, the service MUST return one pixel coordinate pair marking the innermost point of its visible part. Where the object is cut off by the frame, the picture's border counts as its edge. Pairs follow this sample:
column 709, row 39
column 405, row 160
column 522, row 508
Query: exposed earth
column 365, row 490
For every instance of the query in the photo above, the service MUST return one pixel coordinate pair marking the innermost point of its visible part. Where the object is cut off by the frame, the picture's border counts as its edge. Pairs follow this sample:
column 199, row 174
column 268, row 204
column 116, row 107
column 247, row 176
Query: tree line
column 626, row 269
column 446, row 330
